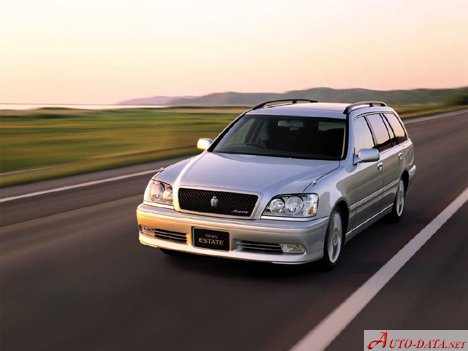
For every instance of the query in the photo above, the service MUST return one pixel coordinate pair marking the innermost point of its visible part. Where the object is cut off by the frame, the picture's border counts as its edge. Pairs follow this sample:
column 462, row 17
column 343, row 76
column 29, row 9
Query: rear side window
column 362, row 135
column 382, row 138
column 389, row 129
column 400, row 135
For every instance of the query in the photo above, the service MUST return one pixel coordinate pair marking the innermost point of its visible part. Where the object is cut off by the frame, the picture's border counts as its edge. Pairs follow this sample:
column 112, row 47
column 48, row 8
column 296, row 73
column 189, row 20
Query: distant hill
column 415, row 96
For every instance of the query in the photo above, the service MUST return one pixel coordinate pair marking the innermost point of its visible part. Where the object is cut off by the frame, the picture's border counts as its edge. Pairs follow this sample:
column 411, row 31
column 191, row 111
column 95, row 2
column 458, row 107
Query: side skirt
column 367, row 223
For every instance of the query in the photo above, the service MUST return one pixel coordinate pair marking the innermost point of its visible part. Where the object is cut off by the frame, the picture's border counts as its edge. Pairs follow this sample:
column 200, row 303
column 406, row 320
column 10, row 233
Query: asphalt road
column 74, row 277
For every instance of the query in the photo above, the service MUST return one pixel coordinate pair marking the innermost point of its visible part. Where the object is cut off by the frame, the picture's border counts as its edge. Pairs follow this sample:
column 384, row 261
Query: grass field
column 55, row 142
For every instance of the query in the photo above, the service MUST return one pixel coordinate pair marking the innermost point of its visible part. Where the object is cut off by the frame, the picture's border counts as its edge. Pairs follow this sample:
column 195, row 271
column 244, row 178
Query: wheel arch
column 342, row 205
column 405, row 177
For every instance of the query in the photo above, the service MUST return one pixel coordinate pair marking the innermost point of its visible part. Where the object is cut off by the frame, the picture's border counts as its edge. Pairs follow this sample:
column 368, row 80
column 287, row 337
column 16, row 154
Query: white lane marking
column 442, row 115
column 80, row 185
column 329, row 328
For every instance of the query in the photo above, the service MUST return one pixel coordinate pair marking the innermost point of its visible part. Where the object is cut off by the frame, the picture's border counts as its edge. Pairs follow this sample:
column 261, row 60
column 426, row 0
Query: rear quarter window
column 395, row 123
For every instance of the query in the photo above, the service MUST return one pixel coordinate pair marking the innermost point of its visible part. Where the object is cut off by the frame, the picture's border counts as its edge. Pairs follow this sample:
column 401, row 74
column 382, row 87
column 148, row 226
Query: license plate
column 211, row 239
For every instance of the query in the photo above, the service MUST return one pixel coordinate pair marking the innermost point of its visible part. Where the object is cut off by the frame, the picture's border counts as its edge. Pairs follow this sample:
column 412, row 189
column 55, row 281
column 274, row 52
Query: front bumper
column 309, row 234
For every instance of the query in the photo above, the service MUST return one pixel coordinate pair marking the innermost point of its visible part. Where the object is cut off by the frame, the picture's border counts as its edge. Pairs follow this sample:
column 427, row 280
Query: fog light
column 292, row 248
column 146, row 230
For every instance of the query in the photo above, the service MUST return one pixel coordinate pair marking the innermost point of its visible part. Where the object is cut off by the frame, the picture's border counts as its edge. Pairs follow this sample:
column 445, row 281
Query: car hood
column 250, row 173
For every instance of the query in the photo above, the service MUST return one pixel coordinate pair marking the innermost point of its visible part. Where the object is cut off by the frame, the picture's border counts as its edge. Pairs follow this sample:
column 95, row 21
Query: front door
column 367, row 177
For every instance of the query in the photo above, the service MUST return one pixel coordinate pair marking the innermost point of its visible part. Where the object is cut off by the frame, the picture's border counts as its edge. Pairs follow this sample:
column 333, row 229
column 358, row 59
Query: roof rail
column 362, row 104
column 273, row 102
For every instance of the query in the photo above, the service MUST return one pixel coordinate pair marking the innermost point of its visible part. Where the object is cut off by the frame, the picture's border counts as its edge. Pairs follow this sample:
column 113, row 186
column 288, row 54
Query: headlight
column 300, row 205
column 294, row 205
column 158, row 192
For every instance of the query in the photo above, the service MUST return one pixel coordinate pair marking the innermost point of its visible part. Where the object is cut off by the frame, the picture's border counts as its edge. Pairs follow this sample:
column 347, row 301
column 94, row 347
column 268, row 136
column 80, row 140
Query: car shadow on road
column 239, row 268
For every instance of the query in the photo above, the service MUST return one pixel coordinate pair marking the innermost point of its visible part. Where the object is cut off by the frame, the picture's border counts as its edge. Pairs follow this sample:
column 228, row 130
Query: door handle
column 380, row 166
column 400, row 156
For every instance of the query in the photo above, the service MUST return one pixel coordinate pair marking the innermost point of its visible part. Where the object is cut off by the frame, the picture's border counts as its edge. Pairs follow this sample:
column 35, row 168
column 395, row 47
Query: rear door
column 396, row 158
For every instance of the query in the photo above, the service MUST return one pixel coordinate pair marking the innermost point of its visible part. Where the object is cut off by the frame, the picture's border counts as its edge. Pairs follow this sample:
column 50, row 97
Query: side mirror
column 367, row 155
column 204, row 143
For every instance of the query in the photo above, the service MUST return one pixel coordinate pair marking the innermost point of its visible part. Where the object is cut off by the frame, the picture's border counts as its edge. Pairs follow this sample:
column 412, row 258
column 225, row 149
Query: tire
column 334, row 240
column 399, row 203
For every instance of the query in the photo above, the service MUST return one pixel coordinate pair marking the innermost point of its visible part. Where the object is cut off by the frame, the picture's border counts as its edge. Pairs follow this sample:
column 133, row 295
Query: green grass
column 420, row 110
column 52, row 142
column 78, row 141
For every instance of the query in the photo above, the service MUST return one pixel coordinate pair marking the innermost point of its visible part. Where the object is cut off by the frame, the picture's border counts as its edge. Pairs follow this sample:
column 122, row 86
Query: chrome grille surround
column 217, row 202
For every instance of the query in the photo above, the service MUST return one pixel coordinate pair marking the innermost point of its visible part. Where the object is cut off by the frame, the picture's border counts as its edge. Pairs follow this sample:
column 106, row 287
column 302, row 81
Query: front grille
column 165, row 234
column 254, row 246
column 219, row 202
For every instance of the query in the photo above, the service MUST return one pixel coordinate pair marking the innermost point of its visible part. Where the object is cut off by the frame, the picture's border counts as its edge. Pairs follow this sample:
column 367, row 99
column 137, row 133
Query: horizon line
column 225, row 92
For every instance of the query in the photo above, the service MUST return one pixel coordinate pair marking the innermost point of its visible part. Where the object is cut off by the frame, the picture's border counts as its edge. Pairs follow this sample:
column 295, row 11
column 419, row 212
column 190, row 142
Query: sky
column 97, row 51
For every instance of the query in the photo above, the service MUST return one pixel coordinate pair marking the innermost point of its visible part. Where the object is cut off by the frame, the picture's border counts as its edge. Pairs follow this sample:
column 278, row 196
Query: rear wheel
column 333, row 240
column 399, row 202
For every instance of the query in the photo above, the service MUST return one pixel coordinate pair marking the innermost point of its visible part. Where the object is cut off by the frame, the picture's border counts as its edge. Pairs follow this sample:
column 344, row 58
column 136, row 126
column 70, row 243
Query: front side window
column 382, row 138
column 362, row 135
column 395, row 123
column 285, row 136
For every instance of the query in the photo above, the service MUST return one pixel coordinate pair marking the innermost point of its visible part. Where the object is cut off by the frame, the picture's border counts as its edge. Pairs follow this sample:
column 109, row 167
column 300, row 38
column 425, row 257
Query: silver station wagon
column 288, row 181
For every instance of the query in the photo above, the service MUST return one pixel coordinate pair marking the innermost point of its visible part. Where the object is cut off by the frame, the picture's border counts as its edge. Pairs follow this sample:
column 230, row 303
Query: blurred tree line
column 459, row 99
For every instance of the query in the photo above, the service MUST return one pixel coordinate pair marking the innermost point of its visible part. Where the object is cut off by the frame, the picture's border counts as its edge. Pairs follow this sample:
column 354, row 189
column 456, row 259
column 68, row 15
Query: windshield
column 285, row 136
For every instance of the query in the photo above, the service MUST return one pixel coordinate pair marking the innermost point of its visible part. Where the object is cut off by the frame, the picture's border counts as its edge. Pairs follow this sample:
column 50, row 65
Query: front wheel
column 333, row 245
column 399, row 203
